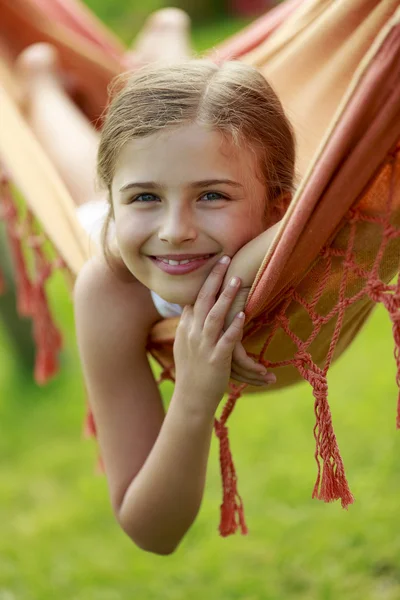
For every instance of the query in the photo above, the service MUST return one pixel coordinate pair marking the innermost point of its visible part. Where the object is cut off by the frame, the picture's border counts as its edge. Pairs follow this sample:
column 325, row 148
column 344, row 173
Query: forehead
column 184, row 154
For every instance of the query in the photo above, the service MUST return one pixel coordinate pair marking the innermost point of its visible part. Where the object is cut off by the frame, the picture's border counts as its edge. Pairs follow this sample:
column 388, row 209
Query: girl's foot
column 35, row 67
column 165, row 36
column 66, row 135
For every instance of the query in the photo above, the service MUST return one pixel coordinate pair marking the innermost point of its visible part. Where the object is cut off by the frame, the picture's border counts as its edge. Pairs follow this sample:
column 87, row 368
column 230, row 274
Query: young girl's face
column 184, row 191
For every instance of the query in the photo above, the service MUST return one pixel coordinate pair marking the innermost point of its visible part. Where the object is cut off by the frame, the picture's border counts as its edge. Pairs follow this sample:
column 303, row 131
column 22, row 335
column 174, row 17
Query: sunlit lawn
column 59, row 540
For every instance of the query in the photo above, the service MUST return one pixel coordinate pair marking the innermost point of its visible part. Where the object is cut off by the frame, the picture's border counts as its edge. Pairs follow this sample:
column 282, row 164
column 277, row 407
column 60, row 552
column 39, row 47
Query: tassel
column 89, row 430
column 331, row 483
column 23, row 283
column 31, row 297
column 395, row 317
column 380, row 292
column 89, row 426
column 232, row 510
column 47, row 337
column 22, row 280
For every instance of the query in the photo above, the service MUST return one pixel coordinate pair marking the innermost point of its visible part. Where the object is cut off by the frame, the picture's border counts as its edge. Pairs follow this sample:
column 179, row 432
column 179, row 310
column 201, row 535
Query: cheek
column 129, row 233
column 241, row 231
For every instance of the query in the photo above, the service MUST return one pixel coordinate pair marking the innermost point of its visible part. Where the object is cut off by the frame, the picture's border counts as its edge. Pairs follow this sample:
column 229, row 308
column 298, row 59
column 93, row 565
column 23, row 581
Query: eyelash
column 136, row 198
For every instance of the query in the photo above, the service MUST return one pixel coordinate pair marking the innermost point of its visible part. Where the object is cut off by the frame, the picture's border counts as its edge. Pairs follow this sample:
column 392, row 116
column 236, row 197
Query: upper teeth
column 181, row 262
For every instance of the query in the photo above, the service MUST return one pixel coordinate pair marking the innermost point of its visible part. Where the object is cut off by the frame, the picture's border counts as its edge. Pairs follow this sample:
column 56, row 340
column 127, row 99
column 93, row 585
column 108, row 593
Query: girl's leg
column 63, row 131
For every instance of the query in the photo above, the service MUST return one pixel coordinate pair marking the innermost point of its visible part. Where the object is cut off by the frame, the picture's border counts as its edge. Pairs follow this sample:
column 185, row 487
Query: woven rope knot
column 391, row 232
column 311, row 373
column 375, row 289
column 165, row 374
column 318, row 321
column 319, row 383
column 325, row 252
column 353, row 215
column 303, row 357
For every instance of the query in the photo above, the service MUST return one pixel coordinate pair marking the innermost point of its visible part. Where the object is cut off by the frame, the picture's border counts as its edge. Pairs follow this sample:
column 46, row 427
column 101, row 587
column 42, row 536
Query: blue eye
column 144, row 198
column 213, row 196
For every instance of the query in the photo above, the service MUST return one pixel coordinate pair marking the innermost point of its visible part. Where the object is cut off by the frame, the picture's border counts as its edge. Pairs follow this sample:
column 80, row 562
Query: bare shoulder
column 101, row 293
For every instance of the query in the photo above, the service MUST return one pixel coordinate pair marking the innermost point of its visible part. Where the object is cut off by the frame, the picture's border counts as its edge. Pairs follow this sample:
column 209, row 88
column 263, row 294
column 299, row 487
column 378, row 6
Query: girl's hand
column 244, row 368
column 202, row 349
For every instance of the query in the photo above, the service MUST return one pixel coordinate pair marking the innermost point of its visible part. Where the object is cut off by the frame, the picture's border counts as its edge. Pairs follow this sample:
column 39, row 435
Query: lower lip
column 180, row 269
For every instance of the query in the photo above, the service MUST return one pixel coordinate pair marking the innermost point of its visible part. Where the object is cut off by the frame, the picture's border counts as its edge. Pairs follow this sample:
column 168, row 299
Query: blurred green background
column 60, row 541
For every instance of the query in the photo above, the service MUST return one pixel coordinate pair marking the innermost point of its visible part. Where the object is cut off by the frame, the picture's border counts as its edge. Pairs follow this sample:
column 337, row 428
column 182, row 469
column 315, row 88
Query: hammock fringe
column 232, row 510
column 22, row 281
column 32, row 300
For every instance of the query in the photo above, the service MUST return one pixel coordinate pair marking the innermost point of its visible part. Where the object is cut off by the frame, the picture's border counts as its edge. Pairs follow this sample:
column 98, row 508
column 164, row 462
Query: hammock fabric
column 335, row 65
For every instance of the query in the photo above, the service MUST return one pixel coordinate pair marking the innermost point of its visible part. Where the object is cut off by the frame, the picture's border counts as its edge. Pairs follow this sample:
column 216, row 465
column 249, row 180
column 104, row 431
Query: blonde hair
column 232, row 98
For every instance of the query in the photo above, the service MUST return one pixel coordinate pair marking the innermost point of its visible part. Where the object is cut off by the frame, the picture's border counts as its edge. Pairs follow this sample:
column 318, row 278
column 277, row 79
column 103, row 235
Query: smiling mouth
column 183, row 267
column 185, row 261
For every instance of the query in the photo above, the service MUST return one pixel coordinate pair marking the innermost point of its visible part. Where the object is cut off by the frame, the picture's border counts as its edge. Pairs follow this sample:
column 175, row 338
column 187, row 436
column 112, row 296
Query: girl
column 197, row 162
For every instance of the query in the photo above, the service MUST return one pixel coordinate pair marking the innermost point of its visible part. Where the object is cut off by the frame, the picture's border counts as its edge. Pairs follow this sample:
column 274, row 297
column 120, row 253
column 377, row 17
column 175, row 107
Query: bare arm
column 163, row 500
column 249, row 258
column 155, row 464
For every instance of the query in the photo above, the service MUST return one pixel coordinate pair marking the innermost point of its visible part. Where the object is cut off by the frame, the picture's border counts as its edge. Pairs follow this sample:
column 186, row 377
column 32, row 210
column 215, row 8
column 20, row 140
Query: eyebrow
column 153, row 184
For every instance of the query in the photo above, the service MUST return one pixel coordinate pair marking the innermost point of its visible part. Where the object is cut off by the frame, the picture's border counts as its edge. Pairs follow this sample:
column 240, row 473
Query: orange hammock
column 335, row 65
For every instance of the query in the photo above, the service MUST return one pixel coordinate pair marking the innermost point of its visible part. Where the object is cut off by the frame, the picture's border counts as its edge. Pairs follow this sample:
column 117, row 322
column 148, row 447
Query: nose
column 178, row 226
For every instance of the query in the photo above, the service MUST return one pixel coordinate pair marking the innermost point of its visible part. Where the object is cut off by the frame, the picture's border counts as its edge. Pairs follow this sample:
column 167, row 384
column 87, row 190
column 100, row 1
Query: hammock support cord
column 309, row 300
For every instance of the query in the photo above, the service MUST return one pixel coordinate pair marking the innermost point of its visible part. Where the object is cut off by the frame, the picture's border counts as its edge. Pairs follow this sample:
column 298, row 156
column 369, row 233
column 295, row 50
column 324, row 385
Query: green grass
column 59, row 538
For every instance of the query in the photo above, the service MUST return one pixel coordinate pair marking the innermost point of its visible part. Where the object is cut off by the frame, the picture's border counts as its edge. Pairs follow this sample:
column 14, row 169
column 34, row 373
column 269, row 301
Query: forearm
column 247, row 261
column 164, row 498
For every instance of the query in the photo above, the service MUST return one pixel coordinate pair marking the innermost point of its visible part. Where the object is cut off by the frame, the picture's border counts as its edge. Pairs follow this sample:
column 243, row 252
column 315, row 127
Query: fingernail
column 224, row 260
column 234, row 281
column 270, row 378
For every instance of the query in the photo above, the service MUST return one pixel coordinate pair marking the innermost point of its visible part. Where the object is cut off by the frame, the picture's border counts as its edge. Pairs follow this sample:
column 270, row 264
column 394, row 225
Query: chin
column 179, row 297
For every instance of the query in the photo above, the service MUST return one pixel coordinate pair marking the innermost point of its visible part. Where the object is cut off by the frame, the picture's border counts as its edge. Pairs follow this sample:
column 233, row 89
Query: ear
column 279, row 207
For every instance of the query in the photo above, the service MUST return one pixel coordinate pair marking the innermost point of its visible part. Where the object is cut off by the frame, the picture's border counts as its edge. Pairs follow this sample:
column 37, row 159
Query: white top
column 91, row 216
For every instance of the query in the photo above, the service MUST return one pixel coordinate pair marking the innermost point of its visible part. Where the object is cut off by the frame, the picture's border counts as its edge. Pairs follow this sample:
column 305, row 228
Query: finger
column 254, row 379
column 244, row 364
column 255, row 382
column 214, row 323
column 187, row 309
column 208, row 292
column 233, row 334
column 256, row 369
